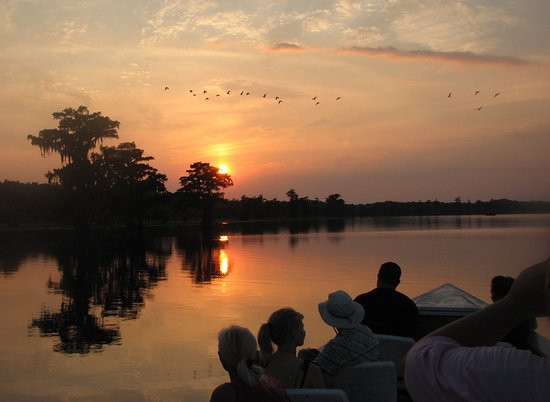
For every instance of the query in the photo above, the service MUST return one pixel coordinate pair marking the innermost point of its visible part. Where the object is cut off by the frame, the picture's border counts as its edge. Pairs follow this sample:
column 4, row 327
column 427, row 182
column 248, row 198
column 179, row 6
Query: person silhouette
column 388, row 311
column 285, row 328
column 460, row 362
column 354, row 342
column 520, row 336
column 237, row 349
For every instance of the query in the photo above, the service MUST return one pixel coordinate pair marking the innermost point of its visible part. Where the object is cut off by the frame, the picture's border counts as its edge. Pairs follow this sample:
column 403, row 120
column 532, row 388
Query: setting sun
column 223, row 169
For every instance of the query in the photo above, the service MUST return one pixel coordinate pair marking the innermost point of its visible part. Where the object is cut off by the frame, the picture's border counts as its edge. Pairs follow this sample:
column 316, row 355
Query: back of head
column 238, row 349
column 278, row 329
column 389, row 274
column 500, row 286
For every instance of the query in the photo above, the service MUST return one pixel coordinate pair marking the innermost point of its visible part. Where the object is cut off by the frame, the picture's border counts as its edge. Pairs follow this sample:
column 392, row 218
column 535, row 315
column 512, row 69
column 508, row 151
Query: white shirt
column 439, row 369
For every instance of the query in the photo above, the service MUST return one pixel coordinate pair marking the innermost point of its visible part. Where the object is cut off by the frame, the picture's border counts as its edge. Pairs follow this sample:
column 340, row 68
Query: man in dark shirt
column 388, row 311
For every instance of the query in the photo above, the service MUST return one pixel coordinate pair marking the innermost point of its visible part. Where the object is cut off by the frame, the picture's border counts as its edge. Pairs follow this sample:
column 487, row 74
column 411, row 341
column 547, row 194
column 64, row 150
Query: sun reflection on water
column 224, row 262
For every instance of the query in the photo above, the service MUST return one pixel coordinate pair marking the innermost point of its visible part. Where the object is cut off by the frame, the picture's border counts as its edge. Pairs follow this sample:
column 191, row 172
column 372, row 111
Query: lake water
column 122, row 318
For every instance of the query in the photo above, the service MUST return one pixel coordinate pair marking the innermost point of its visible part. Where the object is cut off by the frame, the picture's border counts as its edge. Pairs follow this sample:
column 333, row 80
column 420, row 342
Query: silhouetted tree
column 293, row 208
column 335, row 205
column 302, row 206
column 22, row 203
column 252, row 207
column 202, row 186
column 77, row 135
column 292, row 195
column 125, row 182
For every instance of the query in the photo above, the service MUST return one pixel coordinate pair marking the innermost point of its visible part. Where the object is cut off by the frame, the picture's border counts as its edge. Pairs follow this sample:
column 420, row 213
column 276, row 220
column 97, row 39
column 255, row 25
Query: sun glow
column 223, row 169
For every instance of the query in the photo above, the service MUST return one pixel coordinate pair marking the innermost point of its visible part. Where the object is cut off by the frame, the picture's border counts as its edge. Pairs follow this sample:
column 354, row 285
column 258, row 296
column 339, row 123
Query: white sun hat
column 341, row 311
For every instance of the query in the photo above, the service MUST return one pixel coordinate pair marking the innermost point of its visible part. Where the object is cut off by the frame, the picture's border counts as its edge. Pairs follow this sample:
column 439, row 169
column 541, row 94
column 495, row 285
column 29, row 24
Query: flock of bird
column 475, row 94
column 245, row 93
column 279, row 100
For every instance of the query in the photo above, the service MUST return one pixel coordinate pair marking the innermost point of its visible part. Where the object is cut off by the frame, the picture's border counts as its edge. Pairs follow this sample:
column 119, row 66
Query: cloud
column 197, row 21
column 6, row 23
column 318, row 21
column 454, row 57
column 450, row 24
column 350, row 8
column 69, row 30
column 362, row 36
column 286, row 46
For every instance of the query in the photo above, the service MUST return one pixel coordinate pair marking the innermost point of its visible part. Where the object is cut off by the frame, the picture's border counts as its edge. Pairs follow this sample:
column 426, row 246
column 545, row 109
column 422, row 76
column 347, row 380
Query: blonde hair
column 238, row 350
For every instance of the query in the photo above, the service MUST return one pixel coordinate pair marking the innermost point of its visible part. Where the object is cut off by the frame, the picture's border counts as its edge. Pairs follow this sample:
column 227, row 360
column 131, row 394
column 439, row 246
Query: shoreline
column 220, row 223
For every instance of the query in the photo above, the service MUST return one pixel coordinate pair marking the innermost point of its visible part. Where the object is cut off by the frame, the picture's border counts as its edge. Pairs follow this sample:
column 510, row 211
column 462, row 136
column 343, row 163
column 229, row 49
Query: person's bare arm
column 528, row 298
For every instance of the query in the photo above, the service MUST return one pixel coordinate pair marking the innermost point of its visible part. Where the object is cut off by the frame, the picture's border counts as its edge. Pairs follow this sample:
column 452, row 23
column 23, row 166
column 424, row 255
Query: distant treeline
column 105, row 185
column 256, row 208
column 24, row 204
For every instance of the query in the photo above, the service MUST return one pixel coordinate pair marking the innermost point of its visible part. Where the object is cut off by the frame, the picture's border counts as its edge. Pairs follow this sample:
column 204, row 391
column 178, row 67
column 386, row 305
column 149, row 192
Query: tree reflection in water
column 18, row 247
column 204, row 256
column 103, row 279
column 106, row 278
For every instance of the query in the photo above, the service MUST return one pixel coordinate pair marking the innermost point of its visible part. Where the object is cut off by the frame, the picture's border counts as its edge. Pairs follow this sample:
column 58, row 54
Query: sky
column 395, row 134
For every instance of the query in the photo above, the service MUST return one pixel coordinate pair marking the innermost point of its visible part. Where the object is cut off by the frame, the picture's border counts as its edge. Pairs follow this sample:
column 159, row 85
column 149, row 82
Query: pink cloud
column 286, row 46
column 453, row 57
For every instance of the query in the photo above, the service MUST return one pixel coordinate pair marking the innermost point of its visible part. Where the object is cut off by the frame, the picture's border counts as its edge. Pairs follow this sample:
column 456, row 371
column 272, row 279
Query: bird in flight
column 166, row 88
column 264, row 96
column 276, row 98
column 316, row 103
column 479, row 108
column 204, row 91
column 314, row 98
column 476, row 92
column 339, row 98
column 450, row 93
column 280, row 101
column 228, row 92
column 242, row 92
column 497, row 94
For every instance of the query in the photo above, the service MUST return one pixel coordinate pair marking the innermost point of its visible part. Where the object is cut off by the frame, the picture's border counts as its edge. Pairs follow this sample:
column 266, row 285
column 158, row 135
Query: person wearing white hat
column 354, row 342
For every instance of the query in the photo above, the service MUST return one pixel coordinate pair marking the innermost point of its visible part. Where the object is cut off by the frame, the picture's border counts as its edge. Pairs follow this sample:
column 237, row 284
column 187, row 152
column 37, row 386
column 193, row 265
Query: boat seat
column 393, row 349
column 368, row 382
column 316, row 395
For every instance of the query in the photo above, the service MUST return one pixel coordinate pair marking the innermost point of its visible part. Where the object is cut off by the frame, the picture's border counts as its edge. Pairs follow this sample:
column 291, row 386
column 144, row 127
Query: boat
column 442, row 305
column 448, row 303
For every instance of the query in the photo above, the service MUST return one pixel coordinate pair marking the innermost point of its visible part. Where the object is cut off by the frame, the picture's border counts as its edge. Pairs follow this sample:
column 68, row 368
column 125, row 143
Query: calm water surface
column 122, row 318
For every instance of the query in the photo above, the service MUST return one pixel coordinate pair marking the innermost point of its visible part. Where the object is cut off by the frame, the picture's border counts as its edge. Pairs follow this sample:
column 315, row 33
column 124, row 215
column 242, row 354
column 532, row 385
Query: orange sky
column 394, row 134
